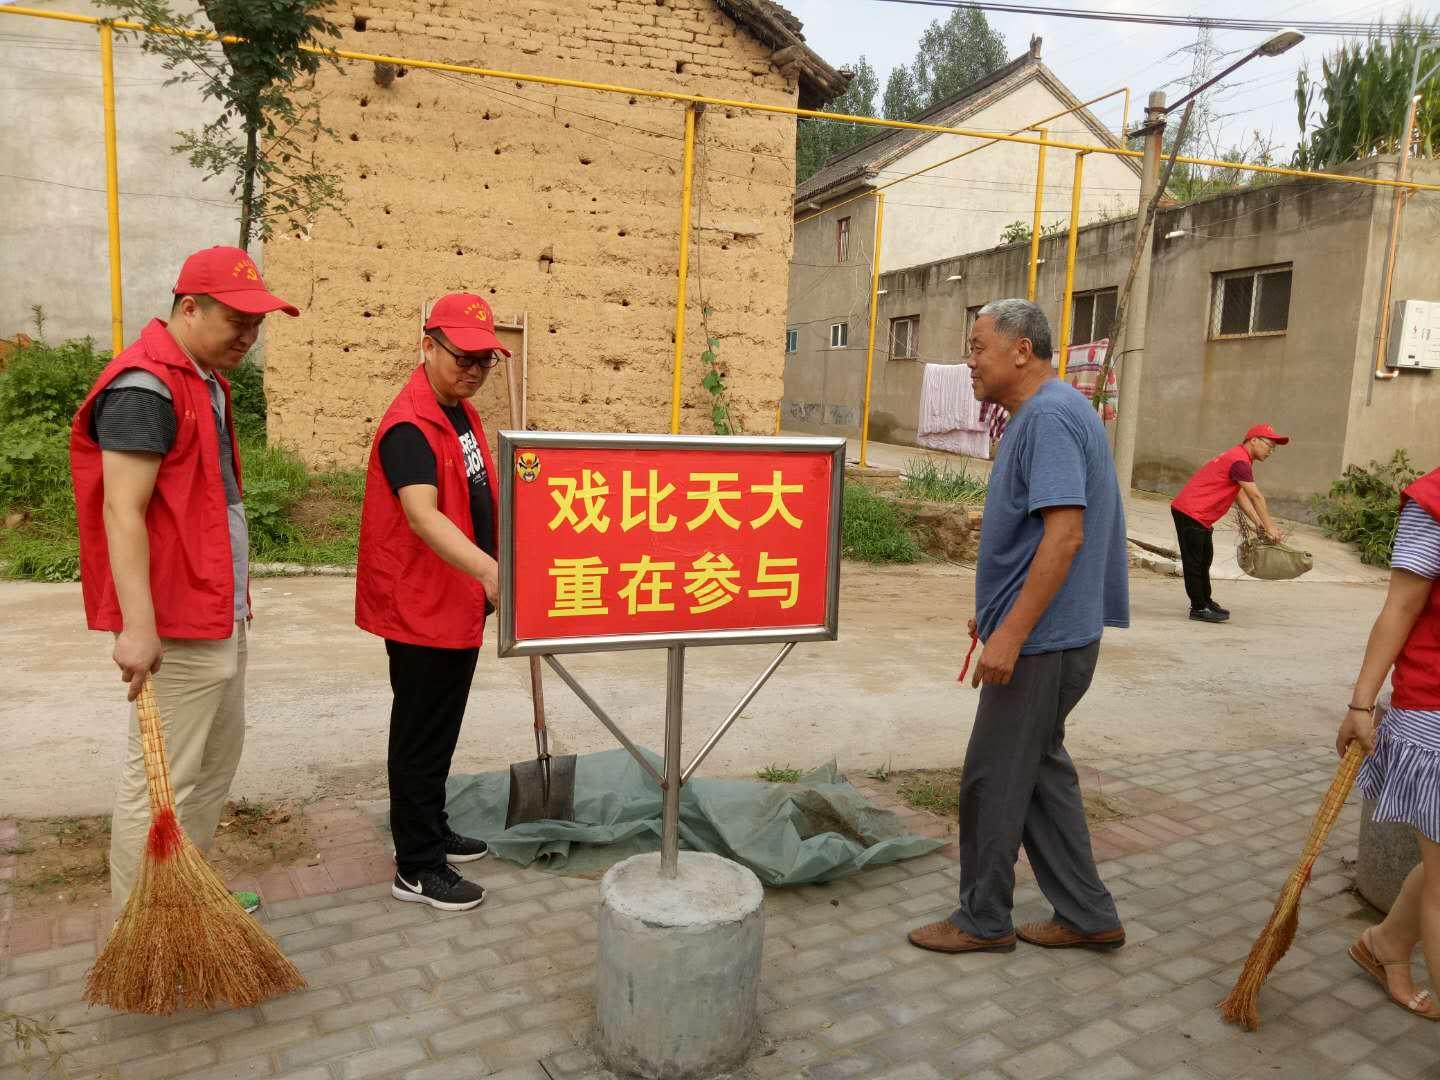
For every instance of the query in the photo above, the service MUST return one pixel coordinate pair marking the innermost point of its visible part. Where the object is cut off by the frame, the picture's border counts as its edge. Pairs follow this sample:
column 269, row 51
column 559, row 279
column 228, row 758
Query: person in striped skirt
column 1402, row 772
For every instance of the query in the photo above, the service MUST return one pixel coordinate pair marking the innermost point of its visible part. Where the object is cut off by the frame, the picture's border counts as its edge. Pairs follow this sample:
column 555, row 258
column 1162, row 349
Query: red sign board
column 635, row 536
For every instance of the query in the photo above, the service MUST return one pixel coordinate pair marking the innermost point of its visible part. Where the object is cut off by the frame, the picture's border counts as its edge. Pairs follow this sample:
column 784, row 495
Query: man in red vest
column 164, row 549
column 1207, row 498
column 425, row 581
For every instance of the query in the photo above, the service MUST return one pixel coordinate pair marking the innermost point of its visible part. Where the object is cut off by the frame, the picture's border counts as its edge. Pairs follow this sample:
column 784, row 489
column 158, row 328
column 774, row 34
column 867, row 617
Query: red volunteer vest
column 1416, row 679
column 1210, row 493
column 192, row 579
column 403, row 590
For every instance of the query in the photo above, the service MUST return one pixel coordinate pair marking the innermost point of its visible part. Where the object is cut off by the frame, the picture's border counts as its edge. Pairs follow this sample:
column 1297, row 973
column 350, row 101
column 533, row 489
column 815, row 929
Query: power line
column 1308, row 27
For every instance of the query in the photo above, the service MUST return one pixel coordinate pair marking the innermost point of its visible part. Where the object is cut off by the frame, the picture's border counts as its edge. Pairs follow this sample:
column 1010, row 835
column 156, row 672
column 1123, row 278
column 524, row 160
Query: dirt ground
column 66, row 859
column 885, row 692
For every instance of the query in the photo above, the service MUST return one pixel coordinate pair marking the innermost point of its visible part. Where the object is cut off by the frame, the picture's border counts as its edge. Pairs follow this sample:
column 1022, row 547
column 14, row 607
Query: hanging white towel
column 949, row 414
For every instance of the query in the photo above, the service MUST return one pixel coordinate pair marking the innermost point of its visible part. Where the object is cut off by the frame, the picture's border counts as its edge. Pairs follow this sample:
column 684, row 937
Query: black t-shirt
column 407, row 459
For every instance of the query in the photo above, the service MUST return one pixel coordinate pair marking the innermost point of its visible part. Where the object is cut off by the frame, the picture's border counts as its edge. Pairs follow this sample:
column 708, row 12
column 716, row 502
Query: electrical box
column 1415, row 335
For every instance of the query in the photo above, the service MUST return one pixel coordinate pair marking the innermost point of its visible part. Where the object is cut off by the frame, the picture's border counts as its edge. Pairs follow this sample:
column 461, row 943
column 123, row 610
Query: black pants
column 1197, row 552
column 1019, row 787
column 430, row 687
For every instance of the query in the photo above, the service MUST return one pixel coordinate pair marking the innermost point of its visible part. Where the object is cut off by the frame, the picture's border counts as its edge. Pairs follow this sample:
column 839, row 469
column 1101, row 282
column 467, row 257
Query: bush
column 1363, row 506
column 48, row 383
column 247, row 400
column 872, row 529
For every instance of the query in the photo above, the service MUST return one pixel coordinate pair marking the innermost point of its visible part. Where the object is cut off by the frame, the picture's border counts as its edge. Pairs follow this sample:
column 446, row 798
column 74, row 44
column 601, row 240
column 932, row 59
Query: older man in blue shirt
column 1052, row 575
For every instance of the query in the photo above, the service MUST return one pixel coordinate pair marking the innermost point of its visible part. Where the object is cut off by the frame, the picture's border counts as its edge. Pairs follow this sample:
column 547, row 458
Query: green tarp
column 818, row 829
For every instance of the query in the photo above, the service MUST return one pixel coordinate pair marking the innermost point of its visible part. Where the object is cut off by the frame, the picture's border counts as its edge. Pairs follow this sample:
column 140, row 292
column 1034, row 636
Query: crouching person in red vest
column 425, row 581
column 164, row 549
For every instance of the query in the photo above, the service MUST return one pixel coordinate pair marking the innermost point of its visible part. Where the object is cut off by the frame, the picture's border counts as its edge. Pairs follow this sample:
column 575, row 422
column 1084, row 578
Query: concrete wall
column 1199, row 395
column 1409, row 403
column 53, row 237
column 560, row 203
column 824, row 386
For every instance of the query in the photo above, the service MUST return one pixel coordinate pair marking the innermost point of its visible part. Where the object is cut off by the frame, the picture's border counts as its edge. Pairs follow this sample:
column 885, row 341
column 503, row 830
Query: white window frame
column 912, row 337
column 792, row 340
column 840, row 335
column 1217, row 298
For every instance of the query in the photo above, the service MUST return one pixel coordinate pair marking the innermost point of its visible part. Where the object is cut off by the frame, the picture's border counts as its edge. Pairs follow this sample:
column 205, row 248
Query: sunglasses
column 464, row 361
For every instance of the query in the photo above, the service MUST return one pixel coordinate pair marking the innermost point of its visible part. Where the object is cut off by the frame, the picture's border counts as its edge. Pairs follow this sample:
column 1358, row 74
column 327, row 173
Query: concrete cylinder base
column 678, row 968
column 1388, row 852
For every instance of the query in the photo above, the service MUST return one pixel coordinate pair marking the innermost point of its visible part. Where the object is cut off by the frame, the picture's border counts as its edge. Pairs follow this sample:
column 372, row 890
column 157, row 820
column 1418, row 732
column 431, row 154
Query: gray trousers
column 1019, row 786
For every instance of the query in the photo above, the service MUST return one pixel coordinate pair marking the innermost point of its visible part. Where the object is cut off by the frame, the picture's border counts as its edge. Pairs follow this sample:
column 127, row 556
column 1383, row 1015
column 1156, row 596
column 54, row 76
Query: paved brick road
column 400, row 991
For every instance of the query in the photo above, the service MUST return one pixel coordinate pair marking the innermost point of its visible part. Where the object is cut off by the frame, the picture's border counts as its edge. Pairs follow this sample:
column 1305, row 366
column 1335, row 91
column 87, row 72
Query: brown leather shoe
column 1051, row 935
column 945, row 936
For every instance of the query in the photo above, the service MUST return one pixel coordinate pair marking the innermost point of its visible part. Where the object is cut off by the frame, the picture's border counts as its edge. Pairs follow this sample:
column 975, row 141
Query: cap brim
column 256, row 302
column 471, row 338
column 1280, row 440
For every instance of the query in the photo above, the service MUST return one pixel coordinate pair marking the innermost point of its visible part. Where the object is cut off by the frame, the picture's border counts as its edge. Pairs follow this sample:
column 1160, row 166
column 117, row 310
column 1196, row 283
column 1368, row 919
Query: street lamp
column 1133, row 364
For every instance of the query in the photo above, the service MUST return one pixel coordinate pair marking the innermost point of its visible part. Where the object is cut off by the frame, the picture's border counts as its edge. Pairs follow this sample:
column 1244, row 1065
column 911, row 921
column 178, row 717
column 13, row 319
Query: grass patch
column 873, row 530
column 938, row 481
column 779, row 774
column 938, row 792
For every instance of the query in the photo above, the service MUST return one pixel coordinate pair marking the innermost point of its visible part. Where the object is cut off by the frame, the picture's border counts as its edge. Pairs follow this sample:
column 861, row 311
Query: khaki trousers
column 200, row 689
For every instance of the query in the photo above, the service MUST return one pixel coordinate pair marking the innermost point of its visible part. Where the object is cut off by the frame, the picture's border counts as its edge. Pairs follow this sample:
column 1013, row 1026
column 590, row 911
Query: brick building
column 559, row 203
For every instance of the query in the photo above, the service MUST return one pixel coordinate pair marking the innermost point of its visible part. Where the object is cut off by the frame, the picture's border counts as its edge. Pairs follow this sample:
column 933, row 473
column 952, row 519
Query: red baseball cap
column 230, row 276
column 1265, row 431
column 467, row 321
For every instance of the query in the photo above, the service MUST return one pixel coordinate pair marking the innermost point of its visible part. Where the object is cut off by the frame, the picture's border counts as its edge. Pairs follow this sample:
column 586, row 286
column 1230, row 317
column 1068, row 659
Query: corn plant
column 1356, row 108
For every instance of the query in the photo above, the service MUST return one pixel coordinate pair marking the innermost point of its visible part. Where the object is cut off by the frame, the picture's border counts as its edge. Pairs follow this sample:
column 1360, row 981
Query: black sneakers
column 462, row 849
column 444, row 889
column 1207, row 615
column 1217, row 609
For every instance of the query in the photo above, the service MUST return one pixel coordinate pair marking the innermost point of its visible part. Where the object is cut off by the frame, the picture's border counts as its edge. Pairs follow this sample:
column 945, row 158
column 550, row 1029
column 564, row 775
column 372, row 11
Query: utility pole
column 1132, row 364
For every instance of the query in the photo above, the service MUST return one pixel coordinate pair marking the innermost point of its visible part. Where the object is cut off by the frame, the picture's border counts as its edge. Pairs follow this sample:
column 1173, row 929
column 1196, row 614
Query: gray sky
column 1093, row 57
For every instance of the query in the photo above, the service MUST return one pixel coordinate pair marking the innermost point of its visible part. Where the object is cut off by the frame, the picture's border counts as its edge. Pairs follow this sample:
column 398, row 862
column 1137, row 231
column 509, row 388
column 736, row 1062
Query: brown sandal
column 1421, row 1003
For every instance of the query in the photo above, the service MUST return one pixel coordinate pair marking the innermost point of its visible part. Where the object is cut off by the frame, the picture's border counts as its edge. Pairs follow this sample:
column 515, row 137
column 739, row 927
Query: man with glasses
column 426, row 580
column 1207, row 498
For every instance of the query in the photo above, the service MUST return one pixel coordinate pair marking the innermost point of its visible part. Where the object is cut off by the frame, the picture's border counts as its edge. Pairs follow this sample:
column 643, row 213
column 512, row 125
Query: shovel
column 543, row 789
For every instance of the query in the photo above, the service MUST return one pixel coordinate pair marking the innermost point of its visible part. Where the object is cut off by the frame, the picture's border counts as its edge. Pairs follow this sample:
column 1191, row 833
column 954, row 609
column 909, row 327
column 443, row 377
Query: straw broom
column 1240, row 1007
column 182, row 936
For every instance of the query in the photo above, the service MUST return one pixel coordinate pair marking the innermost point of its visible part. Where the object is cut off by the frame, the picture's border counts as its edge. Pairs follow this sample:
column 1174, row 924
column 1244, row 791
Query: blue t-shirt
column 1054, row 453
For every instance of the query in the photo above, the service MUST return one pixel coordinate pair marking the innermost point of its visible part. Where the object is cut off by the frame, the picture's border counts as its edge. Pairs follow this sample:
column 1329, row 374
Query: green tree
column 1363, row 91
column 955, row 53
column 902, row 100
column 265, row 136
column 817, row 141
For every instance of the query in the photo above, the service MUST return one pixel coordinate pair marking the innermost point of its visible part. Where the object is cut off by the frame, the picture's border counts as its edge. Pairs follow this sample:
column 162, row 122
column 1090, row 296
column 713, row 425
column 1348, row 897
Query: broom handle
column 152, row 742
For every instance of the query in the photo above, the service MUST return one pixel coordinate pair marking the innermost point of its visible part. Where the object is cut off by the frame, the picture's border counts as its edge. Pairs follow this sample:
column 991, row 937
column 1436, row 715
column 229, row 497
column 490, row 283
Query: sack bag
column 1272, row 562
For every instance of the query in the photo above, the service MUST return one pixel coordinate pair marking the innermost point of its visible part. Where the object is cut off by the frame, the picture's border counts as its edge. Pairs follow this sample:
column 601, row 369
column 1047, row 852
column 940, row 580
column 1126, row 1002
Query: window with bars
column 971, row 314
column 842, row 239
column 1091, row 315
column 839, row 335
column 792, row 340
column 1250, row 303
column 904, row 337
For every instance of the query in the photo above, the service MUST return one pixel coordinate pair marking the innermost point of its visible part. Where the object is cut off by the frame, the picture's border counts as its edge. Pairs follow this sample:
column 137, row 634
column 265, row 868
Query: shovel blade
column 533, row 799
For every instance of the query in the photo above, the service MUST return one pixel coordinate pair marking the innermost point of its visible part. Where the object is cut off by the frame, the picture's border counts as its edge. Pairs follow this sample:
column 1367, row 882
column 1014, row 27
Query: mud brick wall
column 558, row 202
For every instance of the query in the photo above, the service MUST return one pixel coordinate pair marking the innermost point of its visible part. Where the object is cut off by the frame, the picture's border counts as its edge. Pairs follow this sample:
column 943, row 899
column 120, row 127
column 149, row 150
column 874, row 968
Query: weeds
column 935, row 790
column 779, row 774
column 27, row 1033
column 939, row 481
column 873, row 531
column 880, row 772
column 1363, row 506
